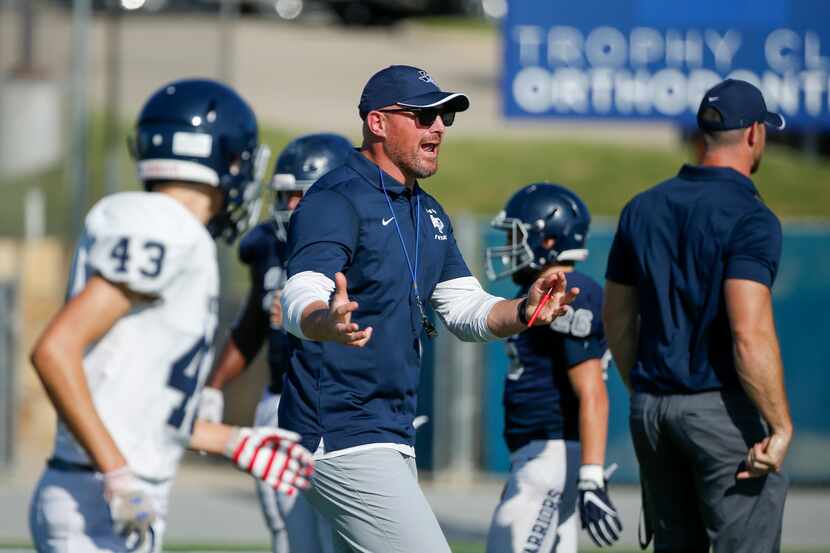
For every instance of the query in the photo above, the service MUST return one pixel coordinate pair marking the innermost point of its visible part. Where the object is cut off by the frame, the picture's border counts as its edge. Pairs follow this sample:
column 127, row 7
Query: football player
column 295, row 526
column 124, row 360
column 556, row 404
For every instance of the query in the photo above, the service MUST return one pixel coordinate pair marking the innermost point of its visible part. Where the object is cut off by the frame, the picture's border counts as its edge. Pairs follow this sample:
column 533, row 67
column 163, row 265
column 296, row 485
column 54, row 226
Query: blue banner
column 652, row 59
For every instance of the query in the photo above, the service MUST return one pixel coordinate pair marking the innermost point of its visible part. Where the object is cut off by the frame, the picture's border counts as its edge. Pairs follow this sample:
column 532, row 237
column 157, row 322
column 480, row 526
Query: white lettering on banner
column 646, row 46
column 531, row 89
column 780, row 49
column 565, row 70
column 668, row 92
column 723, row 47
column 812, row 52
column 565, row 46
column 781, row 93
column 606, row 47
column 529, row 38
column 814, row 89
column 784, row 51
column 569, row 91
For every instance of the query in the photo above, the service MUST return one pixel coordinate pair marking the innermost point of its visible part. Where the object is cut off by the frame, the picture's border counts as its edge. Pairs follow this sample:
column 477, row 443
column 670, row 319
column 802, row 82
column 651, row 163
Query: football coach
column 368, row 247
column 688, row 316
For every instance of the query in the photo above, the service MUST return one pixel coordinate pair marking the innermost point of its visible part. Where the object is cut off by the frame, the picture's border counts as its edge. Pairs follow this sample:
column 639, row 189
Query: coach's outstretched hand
column 599, row 516
column 272, row 455
column 340, row 316
column 132, row 510
column 550, row 290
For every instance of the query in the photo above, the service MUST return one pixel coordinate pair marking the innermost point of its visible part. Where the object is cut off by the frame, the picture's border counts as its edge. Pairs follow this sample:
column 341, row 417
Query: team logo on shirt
column 437, row 223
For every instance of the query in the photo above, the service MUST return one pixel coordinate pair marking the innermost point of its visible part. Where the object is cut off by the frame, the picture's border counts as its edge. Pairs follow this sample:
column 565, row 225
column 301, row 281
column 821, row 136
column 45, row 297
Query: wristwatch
column 521, row 311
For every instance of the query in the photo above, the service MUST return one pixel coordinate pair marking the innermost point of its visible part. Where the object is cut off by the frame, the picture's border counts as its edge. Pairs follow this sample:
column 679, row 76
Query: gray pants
column 690, row 448
column 374, row 503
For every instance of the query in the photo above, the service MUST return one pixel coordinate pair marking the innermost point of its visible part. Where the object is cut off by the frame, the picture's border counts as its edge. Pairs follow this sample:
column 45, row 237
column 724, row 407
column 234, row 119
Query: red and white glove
column 272, row 455
column 132, row 510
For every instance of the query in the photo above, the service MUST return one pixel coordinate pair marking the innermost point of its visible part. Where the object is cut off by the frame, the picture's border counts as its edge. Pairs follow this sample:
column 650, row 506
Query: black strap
column 521, row 311
column 68, row 466
column 645, row 532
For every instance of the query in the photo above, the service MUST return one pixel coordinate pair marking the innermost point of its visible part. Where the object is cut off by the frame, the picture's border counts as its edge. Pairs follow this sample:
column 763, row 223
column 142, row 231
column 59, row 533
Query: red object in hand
column 545, row 299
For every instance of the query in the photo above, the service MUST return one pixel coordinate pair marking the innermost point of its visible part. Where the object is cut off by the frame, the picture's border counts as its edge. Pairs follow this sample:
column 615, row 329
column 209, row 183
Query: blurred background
column 598, row 95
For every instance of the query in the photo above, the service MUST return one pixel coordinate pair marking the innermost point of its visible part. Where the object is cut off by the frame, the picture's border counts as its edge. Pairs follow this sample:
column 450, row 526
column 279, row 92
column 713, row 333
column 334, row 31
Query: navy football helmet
column 201, row 131
column 535, row 213
column 303, row 161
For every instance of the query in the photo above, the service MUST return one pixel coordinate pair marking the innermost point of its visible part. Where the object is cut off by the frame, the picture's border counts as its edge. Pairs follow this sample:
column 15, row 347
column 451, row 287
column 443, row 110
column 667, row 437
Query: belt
column 68, row 466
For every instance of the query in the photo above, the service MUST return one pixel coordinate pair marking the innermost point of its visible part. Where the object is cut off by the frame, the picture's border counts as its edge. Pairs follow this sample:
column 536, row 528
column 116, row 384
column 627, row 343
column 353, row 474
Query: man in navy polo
column 688, row 317
column 367, row 249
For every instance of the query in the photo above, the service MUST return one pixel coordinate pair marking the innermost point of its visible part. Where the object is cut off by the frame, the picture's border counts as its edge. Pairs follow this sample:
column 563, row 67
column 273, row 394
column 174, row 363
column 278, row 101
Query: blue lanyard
column 428, row 327
column 413, row 269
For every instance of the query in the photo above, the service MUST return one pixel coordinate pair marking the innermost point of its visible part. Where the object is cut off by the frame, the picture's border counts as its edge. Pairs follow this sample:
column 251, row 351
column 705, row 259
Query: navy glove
column 599, row 516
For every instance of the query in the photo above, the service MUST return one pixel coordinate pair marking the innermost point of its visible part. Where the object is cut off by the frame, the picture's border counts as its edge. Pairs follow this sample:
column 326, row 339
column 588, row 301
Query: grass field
column 478, row 175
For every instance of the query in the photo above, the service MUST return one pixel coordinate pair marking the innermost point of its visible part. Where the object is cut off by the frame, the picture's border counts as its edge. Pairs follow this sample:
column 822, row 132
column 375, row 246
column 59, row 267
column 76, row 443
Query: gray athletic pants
column 374, row 503
column 690, row 448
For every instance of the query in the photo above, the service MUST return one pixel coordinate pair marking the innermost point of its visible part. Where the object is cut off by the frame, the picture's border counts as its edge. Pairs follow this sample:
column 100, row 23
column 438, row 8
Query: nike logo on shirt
column 387, row 221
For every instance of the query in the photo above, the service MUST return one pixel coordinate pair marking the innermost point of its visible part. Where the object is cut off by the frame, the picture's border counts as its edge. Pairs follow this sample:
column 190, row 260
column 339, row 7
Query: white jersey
column 146, row 373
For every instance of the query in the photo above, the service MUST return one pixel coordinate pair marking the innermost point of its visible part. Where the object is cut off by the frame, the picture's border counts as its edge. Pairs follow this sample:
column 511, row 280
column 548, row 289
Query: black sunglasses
column 425, row 116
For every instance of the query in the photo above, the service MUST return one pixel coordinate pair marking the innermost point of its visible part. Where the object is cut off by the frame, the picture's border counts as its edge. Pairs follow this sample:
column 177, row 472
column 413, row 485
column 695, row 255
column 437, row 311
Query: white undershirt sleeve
column 300, row 291
column 463, row 305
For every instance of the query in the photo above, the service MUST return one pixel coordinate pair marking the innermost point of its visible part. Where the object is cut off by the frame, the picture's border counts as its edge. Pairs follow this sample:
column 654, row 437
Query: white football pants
column 69, row 514
column 294, row 524
column 537, row 511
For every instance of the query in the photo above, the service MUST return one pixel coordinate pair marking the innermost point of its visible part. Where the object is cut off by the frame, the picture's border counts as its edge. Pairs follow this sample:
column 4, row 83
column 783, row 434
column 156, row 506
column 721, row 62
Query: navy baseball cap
column 409, row 87
column 740, row 104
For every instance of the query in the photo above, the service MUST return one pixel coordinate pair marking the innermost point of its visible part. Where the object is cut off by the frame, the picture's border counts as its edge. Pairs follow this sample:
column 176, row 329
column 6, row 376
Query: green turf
column 478, row 175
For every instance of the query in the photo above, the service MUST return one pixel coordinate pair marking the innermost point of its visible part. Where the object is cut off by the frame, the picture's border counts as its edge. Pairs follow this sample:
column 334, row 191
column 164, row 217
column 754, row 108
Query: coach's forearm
column 759, row 367
column 621, row 319
column 503, row 319
column 316, row 323
column 623, row 334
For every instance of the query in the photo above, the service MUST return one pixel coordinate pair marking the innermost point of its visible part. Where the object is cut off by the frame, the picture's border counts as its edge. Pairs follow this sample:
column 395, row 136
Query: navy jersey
column 263, row 253
column 354, row 396
column 539, row 402
column 677, row 243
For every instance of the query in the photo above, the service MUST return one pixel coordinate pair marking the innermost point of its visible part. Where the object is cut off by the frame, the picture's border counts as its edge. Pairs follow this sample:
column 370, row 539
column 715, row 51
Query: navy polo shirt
column 677, row 243
column 355, row 396
column 263, row 253
column 539, row 401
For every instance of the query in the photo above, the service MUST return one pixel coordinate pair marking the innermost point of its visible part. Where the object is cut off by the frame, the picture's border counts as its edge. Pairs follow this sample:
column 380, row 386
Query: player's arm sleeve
column 621, row 267
column 145, row 262
column 322, row 238
column 754, row 250
column 251, row 327
column 577, row 350
column 463, row 305
column 301, row 290
column 583, row 333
